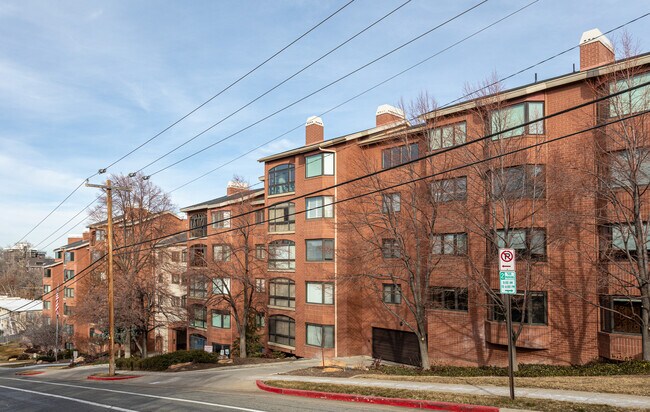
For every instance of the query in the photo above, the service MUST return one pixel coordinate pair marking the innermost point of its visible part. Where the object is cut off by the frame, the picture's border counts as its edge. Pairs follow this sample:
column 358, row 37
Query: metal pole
column 56, row 338
column 111, row 314
column 511, row 377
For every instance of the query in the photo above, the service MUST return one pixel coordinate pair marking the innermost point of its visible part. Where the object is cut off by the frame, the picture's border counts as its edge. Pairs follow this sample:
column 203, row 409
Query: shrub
column 45, row 358
column 127, row 363
column 163, row 362
column 24, row 356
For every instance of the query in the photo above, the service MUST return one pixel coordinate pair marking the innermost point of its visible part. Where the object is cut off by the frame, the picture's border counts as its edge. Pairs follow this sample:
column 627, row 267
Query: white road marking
column 99, row 405
column 167, row 398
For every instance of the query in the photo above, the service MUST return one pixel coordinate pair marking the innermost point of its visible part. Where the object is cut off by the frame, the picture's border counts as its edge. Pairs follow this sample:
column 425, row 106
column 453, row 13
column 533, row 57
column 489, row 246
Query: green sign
column 508, row 282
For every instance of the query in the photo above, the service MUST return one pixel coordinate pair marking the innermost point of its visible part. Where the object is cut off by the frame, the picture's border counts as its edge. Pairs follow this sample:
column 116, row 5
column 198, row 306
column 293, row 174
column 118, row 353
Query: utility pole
column 109, row 246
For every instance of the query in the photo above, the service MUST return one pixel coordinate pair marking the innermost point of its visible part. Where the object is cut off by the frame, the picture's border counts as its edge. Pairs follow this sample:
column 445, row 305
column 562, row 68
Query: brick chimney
column 595, row 50
column 388, row 114
column 314, row 130
column 236, row 187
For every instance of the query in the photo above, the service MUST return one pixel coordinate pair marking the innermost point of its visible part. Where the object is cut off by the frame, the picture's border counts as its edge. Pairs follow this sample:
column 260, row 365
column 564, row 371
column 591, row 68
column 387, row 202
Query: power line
column 65, row 223
column 320, row 89
column 223, row 119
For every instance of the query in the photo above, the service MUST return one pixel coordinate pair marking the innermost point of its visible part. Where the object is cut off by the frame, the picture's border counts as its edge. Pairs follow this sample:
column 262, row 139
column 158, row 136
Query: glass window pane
column 435, row 139
column 329, row 207
column 314, row 207
column 314, row 165
column 461, row 133
column 314, row 335
column 536, row 111
column 328, row 294
column 314, row 293
column 328, row 163
column 448, row 136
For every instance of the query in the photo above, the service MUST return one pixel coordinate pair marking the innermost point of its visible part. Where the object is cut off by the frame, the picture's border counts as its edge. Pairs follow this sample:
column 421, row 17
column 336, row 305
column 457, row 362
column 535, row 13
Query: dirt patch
column 323, row 372
column 236, row 362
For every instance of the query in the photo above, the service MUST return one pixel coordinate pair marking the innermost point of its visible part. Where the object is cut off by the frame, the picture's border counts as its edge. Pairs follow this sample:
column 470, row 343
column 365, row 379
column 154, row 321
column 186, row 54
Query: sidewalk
column 626, row 401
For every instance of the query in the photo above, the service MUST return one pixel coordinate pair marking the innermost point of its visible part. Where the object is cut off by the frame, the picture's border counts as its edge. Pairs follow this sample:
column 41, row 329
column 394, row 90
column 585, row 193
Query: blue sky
column 84, row 82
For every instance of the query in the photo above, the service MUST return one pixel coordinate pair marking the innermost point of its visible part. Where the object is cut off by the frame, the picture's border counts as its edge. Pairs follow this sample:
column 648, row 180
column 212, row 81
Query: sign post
column 508, row 287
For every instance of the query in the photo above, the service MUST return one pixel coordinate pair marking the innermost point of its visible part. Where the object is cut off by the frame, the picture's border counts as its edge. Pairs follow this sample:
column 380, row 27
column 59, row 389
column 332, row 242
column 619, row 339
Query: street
column 206, row 390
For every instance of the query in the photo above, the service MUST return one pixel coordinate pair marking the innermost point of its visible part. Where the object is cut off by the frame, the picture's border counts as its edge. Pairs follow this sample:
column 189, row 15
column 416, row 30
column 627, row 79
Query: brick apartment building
column 321, row 297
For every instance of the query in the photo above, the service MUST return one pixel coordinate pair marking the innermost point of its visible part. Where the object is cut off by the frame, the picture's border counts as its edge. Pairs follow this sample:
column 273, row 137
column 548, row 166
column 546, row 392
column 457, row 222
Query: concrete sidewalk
column 626, row 401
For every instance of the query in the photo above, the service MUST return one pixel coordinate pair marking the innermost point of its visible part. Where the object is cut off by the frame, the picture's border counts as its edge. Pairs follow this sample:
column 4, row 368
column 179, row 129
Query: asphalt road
column 206, row 390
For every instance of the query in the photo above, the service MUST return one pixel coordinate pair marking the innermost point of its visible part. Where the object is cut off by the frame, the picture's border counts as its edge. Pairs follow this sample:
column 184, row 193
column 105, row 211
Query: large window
column 620, row 314
column 448, row 190
column 68, row 274
column 260, row 252
column 320, row 335
column 282, row 179
column 516, row 115
column 619, row 240
column 221, row 286
column 391, row 203
column 390, row 248
column 221, row 319
column 530, row 309
column 320, row 249
column 629, row 168
column 69, row 257
column 47, row 304
column 447, row 136
column 448, row 298
column 519, row 182
column 198, row 255
column 198, row 224
column 392, row 293
column 199, row 317
column 282, row 293
column 282, row 217
column 47, row 273
column 282, row 330
column 320, row 292
column 68, row 292
column 198, row 287
column 221, row 219
column 320, row 164
column 282, row 255
column 450, row 244
column 528, row 243
column 396, row 156
column 221, row 253
column 46, row 288
column 633, row 101
column 319, row 207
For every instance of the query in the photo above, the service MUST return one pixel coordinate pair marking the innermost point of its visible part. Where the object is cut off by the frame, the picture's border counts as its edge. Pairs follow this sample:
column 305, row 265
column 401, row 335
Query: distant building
column 17, row 313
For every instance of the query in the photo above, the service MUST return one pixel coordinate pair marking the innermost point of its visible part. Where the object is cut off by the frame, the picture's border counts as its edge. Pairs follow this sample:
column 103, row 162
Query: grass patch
column 501, row 402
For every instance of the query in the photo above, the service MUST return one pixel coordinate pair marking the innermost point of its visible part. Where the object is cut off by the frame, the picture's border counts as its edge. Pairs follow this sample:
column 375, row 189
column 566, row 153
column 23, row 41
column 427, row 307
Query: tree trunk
column 645, row 315
column 144, row 345
column 424, row 353
column 127, row 344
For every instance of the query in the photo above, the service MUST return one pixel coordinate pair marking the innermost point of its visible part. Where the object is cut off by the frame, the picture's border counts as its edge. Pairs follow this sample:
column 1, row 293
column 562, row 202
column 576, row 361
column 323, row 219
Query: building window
column 68, row 330
column 176, row 257
column 449, row 190
column 320, row 292
column 514, row 116
column 319, row 207
column 67, row 310
column 221, row 253
column 629, row 171
column 69, row 257
column 390, row 203
column 197, row 342
column 282, row 217
column 282, row 293
column 221, row 319
column 282, row 179
column 95, row 255
column 448, row 298
column 198, row 225
column 47, row 304
column 396, row 156
column 634, row 101
column 260, row 285
column 184, row 301
column 68, row 292
column 519, row 182
column 176, row 301
column 184, row 256
column 260, row 320
column 259, row 217
column 47, row 273
column 533, row 313
column 198, row 255
column 221, row 286
column 199, row 317
column 447, row 136
column 528, row 243
column 319, row 165
column 176, row 278
column 46, row 288
column 58, row 254
column 319, row 250
column 390, row 248
column 450, row 244
column 320, row 335
column 282, row 330
column 620, row 314
column 222, row 349
column 282, row 255
column 198, row 287
column 260, row 252
column 100, row 235
column 392, row 293
column 619, row 240
column 68, row 274
column 221, row 219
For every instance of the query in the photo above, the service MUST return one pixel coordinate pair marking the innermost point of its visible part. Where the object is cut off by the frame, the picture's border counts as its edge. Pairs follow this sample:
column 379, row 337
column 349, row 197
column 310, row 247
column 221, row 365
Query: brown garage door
column 395, row 346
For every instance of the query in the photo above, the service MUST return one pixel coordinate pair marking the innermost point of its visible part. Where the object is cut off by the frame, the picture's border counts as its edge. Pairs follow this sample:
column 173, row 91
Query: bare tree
column 19, row 276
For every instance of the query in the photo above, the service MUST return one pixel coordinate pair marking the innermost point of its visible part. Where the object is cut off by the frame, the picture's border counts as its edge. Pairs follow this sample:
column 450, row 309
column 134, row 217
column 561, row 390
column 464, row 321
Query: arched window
column 282, row 179
column 198, row 255
column 282, row 217
column 282, row 330
column 282, row 292
column 282, row 255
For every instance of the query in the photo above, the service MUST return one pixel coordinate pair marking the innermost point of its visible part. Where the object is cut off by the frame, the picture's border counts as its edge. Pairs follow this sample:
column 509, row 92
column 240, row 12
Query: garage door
column 396, row 346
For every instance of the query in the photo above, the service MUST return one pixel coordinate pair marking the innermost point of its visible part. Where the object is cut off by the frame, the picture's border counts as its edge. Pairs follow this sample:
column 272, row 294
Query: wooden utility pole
column 109, row 249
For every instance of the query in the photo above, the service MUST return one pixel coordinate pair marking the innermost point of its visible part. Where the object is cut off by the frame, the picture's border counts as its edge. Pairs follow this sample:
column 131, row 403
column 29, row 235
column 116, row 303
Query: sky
column 82, row 83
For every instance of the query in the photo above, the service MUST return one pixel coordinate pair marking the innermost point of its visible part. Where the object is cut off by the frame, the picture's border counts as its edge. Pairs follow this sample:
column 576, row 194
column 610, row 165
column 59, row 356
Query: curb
column 29, row 373
column 378, row 400
column 112, row 378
